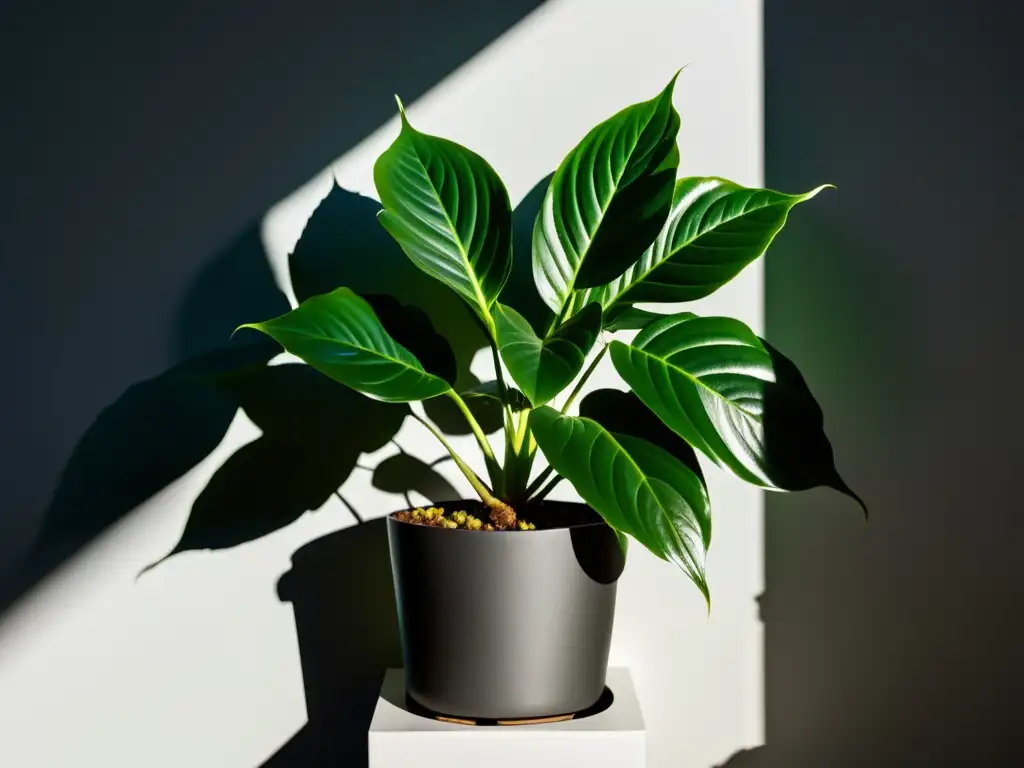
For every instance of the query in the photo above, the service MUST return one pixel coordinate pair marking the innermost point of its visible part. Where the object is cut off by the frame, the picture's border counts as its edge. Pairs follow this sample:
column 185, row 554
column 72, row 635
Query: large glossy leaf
column 339, row 335
column 733, row 397
column 544, row 367
column 714, row 230
column 637, row 487
column 607, row 201
column 449, row 211
column 623, row 413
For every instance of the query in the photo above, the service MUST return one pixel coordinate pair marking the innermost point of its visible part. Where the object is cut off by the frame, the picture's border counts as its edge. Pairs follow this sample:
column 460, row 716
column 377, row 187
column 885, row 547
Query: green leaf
column 449, row 212
column 607, row 201
column 623, row 413
column 637, row 487
column 339, row 335
column 714, row 230
column 544, row 367
column 514, row 399
column 733, row 397
column 626, row 317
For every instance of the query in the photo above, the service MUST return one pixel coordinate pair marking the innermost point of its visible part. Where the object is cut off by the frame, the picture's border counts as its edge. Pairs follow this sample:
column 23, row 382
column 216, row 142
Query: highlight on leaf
column 637, row 487
column 339, row 334
column 732, row 397
column 714, row 230
column 544, row 367
column 606, row 202
column 449, row 211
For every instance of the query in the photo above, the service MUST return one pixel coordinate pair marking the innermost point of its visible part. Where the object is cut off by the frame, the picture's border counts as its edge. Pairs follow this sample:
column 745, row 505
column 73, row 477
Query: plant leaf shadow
column 298, row 462
column 160, row 429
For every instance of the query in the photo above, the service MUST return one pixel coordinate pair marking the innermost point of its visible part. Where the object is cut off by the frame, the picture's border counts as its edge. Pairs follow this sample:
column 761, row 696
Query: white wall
column 197, row 663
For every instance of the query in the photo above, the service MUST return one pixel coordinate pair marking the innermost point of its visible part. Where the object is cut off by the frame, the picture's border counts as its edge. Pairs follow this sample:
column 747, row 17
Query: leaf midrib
column 463, row 254
column 675, row 251
column 637, row 467
column 571, row 287
column 695, row 380
column 419, row 368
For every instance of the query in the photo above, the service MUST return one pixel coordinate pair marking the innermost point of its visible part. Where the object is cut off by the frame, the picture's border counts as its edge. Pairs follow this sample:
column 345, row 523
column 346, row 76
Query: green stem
column 548, row 488
column 474, row 480
column 532, row 489
column 520, row 437
column 502, row 391
column 478, row 431
column 584, row 377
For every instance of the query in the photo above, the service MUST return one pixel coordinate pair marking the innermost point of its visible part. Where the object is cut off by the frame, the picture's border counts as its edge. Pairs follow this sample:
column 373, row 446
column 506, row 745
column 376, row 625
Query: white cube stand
column 615, row 737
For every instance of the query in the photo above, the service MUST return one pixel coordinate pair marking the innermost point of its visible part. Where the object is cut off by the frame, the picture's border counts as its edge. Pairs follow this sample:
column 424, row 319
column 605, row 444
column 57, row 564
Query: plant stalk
column 548, row 488
column 474, row 480
column 499, row 376
column 583, row 378
column 474, row 425
column 544, row 475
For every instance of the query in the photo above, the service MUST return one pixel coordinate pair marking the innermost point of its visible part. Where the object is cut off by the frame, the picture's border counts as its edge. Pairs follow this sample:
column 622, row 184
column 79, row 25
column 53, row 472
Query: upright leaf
column 733, row 397
column 339, row 335
column 637, row 487
column 607, row 201
column 714, row 230
column 449, row 212
column 544, row 367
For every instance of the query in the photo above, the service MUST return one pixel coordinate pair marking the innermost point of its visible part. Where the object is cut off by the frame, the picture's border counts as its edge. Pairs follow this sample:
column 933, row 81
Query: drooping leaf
column 733, row 397
column 449, row 211
column 623, row 413
column 339, row 335
column 607, row 201
column 544, row 367
column 514, row 399
column 637, row 487
column 714, row 230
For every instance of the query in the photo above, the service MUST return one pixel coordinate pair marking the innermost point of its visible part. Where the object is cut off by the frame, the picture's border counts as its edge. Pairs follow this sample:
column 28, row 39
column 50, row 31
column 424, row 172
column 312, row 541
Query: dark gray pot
column 506, row 624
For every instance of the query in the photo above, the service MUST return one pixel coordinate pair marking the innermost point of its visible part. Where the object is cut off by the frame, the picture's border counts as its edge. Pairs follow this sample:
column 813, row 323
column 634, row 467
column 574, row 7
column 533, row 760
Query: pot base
column 603, row 703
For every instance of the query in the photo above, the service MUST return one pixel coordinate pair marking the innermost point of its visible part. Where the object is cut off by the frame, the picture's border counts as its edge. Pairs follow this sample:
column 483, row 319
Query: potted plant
column 506, row 601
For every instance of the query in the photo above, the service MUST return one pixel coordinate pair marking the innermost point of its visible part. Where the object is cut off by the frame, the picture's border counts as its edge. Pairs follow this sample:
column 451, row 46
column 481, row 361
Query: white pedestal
column 614, row 738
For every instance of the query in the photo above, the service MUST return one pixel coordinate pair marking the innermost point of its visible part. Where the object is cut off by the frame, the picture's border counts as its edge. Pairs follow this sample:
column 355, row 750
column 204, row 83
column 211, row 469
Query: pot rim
column 391, row 519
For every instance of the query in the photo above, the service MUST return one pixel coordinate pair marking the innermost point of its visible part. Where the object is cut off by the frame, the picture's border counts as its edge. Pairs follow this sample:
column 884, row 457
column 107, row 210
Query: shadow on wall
column 161, row 428
column 347, row 637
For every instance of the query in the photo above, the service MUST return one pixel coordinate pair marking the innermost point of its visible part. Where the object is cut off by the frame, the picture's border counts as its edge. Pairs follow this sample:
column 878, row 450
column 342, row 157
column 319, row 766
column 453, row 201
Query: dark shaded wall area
column 140, row 144
column 899, row 296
